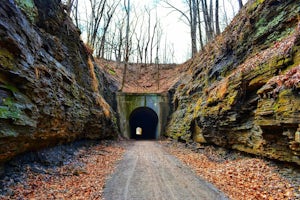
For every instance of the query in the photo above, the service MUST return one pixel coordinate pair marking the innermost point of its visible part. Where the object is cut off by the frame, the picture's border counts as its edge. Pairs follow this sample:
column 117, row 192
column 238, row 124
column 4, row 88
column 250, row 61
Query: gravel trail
column 148, row 172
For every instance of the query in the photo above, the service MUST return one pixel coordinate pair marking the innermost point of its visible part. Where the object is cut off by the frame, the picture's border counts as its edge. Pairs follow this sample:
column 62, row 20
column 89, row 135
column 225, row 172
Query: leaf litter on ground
column 239, row 176
column 82, row 177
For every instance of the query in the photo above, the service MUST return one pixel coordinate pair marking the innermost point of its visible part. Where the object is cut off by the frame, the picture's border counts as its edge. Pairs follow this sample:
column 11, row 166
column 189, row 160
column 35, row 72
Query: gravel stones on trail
column 148, row 172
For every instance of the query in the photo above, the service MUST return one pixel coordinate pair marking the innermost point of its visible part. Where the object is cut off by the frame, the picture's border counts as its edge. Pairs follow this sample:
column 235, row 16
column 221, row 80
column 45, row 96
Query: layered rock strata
column 50, row 90
column 242, row 90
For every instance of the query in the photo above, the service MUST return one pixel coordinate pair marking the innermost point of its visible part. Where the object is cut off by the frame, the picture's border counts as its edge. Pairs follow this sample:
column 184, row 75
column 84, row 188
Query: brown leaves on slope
column 289, row 80
column 240, row 179
column 279, row 49
column 82, row 179
column 141, row 78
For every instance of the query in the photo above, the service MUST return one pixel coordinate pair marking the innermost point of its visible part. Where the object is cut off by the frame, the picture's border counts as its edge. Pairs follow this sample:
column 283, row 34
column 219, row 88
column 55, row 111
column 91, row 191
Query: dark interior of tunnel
column 145, row 118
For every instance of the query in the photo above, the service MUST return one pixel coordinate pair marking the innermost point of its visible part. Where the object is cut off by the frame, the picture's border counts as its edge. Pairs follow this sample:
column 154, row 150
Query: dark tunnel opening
column 147, row 120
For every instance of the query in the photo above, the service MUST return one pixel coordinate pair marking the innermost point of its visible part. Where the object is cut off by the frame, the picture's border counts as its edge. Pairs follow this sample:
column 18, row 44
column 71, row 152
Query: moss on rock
column 248, row 90
column 29, row 8
column 6, row 59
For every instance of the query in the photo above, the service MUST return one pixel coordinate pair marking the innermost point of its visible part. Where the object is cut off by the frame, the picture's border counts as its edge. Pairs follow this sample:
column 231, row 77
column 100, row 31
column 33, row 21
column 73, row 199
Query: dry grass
column 95, row 82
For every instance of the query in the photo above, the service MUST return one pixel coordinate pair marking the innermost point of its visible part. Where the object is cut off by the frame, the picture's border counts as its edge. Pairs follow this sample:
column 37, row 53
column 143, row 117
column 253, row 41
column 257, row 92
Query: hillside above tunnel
column 142, row 78
column 243, row 89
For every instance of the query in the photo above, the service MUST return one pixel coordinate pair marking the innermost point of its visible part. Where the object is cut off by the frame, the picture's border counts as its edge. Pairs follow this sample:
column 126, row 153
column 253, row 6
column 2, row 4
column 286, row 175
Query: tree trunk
column 194, row 12
column 207, row 20
column 199, row 25
column 240, row 3
column 127, row 8
column 155, row 31
column 157, row 78
column 97, row 11
column 217, row 18
column 69, row 6
column 110, row 14
column 211, row 19
column 119, row 48
column 225, row 14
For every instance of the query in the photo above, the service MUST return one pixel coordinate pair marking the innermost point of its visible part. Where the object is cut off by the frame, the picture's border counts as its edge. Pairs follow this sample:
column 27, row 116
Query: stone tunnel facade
column 142, row 110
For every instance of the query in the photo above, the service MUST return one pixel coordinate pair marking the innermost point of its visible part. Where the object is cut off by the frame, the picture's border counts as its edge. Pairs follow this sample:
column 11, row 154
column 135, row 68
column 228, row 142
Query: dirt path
column 148, row 172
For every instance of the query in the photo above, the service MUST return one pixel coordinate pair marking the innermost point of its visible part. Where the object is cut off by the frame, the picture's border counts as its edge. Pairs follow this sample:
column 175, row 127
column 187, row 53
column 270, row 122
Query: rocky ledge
column 242, row 90
column 50, row 90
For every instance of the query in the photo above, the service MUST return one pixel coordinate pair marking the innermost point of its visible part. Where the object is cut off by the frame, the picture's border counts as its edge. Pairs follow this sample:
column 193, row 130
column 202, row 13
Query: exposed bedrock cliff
column 243, row 89
column 50, row 91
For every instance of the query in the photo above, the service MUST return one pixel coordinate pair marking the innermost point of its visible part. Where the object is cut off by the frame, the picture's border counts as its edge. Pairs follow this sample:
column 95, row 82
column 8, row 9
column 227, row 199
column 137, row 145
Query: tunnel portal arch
column 147, row 120
column 131, row 104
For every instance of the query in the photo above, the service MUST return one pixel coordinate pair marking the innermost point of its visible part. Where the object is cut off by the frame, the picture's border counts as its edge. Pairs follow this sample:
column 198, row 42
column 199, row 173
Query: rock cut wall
column 243, row 90
column 50, row 90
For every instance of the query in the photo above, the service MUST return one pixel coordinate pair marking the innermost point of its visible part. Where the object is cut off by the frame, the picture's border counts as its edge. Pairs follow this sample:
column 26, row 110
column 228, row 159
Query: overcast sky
column 176, row 32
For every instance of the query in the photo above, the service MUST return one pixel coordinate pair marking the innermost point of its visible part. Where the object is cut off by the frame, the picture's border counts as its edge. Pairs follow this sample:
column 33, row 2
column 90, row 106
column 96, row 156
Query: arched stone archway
column 134, row 108
column 147, row 120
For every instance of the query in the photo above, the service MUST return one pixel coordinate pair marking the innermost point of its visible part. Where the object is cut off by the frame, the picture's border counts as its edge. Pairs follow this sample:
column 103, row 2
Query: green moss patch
column 6, row 59
column 254, row 5
column 264, row 26
column 28, row 7
column 13, row 109
column 9, row 110
column 112, row 72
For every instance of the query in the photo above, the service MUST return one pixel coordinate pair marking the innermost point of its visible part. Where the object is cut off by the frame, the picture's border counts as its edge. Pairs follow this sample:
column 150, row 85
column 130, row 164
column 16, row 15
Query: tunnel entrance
column 146, row 119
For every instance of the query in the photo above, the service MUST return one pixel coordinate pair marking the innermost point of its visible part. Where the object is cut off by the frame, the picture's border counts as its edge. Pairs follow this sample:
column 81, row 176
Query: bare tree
column 93, row 23
column 191, row 18
column 156, row 34
column 71, row 8
column 211, row 17
column 113, row 34
column 148, row 11
column 207, row 20
column 146, row 35
column 140, row 38
column 240, row 3
column 75, row 13
column 157, row 73
column 225, row 14
column 110, row 46
column 232, row 7
column 158, row 38
column 127, row 10
column 218, row 31
column 140, row 47
column 120, row 24
column 68, row 5
column 107, row 19
column 199, row 25
column 154, row 39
